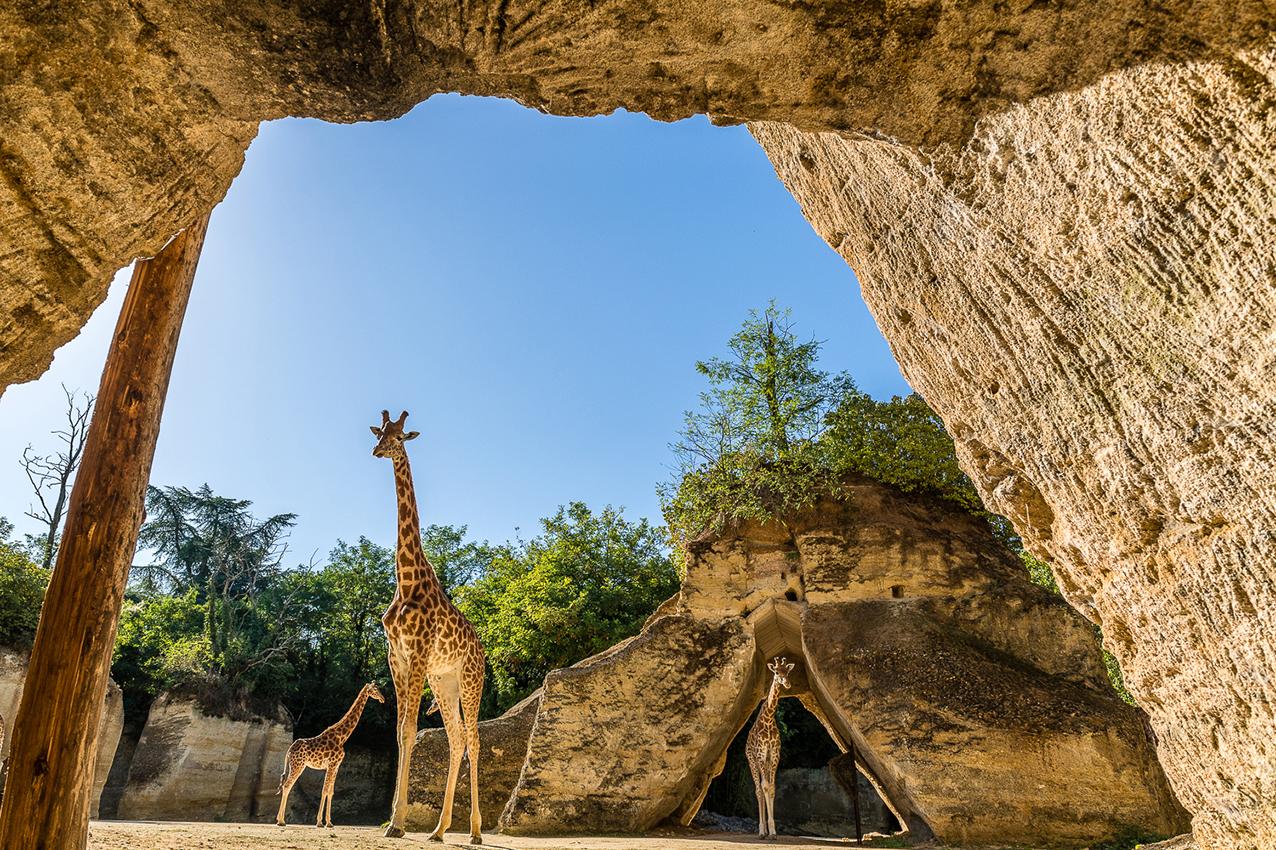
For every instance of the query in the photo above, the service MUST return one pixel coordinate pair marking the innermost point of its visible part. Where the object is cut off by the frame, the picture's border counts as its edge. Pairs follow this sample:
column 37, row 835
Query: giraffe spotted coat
column 763, row 749
column 430, row 641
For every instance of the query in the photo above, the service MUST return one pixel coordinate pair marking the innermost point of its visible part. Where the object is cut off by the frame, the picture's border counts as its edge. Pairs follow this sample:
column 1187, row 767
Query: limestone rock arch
column 977, row 702
column 1060, row 214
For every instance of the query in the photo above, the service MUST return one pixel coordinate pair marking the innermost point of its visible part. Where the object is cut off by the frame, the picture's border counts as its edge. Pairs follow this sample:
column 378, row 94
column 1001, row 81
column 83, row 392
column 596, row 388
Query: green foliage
column 899, row 442
column 774, row 433
column 587, row 581
column 1039, row 572
column 214, row 613
column 161, row 644
column 22, row 587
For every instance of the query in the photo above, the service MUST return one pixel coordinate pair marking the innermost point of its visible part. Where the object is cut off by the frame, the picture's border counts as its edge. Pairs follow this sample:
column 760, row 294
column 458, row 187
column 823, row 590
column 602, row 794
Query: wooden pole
column 46, row 800
column 855, row 794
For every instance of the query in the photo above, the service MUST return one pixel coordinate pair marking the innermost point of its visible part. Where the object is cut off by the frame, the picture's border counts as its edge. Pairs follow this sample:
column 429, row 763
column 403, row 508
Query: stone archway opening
column 777, row 630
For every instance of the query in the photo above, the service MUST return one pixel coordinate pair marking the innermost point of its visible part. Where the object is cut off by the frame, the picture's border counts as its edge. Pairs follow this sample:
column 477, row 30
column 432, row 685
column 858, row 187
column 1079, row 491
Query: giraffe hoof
column 476, row 839
column 393, row 831
column 434, row 836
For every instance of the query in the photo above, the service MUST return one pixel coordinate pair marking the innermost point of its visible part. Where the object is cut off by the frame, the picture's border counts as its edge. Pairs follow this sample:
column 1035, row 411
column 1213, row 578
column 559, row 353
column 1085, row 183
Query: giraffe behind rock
column 763, row 749
column 323, row 752
column 430, row 640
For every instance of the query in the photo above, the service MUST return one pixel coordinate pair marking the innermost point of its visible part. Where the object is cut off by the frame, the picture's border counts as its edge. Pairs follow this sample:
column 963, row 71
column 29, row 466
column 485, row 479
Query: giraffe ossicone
column 326, row 751
column 430, row 641
column 763, row 749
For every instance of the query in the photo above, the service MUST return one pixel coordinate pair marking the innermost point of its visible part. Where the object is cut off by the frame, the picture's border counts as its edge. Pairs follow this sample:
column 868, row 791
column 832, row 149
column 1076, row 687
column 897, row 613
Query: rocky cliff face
column 976, row 701
column 1060, row 215
column 13, row 672
column 1085, row 291
column 192, row 766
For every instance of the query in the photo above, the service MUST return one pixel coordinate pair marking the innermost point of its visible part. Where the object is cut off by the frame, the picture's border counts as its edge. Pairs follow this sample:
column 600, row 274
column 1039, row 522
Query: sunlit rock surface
column 13, row 673
column 1086, row 291
column 978, row 702
column 190, row 765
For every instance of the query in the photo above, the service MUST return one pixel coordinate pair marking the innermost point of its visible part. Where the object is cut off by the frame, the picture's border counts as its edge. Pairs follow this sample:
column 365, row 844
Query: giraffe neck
column 772, row 700
column 415, row 575
column 345, row 726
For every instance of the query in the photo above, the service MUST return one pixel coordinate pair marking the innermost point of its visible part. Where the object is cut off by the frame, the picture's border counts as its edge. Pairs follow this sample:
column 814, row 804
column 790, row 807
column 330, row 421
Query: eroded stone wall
column 1086, row 292
column 190, row 765
column 13, row 673
column 978, row 701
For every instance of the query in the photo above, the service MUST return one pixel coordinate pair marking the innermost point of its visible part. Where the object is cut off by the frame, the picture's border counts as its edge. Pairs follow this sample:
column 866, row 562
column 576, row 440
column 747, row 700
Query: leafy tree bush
column 587, row 581
column 774, row 433
column 22, row 587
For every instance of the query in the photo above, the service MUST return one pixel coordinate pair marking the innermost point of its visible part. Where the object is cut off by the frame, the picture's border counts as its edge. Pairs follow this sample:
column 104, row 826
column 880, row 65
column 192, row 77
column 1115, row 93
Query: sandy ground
column 121, row 835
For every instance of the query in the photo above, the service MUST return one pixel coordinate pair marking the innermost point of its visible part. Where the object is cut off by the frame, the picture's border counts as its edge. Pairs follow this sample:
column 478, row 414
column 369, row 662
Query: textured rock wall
column 977, row 701
column 979, row 694
column 123, row 121
column 503, row 747
column 192, row 766
column 1086, row 291
column 625, row 737
column 13, row 672
column 1081, row 285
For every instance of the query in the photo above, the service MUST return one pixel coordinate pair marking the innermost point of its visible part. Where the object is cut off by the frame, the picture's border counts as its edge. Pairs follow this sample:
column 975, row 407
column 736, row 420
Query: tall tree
column 764, row 398
column 214, row 546
column 51, row 475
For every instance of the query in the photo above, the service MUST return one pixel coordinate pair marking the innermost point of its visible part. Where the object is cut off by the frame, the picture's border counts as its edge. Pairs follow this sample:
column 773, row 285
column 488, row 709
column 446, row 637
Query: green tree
column 161, row 644
column 587, row 581
column 22, row 586
column 214, row 546
column 774, row 433
column 764, row 398
column 751, row 447
column 899, row 442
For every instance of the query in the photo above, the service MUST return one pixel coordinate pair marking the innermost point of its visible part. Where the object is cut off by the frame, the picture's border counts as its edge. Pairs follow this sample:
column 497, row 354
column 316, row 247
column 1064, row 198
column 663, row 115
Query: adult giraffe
column 430, row 640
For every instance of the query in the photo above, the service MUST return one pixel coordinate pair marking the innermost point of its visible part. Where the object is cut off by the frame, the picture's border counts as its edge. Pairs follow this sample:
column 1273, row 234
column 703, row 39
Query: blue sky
column 535, row 290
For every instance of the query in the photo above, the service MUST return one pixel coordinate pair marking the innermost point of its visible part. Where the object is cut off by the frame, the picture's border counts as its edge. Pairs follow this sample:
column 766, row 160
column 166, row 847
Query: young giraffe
column 323, row 752
column 430, row 640
column 763, row 749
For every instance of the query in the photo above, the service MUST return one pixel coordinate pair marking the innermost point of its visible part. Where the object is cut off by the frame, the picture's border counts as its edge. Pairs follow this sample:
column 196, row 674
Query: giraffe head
column 373, row 691
column 781, row 667
column 391, row 437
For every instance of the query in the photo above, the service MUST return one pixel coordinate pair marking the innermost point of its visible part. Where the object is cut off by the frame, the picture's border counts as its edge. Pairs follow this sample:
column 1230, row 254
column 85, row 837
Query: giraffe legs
column 768, row 794
column 329, row 783
column 293, row 768
column 408, row 684
column 447, row 697
column 471, row 696
column 757, row 791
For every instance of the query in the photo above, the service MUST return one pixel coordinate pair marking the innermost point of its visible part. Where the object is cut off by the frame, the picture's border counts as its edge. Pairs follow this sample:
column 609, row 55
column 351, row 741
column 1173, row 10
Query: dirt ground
column 122, row 835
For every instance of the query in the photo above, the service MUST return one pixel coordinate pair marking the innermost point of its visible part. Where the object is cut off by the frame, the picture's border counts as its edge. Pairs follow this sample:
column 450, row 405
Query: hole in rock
column 812, row 784
column 897, row 591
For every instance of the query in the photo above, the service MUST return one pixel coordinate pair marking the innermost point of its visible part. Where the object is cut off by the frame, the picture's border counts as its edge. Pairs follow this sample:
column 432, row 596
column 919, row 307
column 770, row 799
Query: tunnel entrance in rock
column 826, row 768
column 814, row 794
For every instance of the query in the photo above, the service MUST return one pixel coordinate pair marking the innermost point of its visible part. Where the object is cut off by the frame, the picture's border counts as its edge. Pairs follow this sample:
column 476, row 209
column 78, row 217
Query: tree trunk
column 46, row 804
